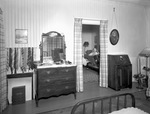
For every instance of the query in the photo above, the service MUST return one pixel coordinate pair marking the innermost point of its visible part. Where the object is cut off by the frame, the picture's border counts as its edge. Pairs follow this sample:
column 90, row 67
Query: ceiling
column 140, row 2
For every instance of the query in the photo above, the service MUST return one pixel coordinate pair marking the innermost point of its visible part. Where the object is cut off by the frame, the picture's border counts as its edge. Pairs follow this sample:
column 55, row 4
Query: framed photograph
column 21, row 36
column 114, row 36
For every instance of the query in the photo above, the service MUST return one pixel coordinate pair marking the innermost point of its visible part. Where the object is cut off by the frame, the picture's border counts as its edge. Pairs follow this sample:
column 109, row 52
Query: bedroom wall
column 40, row 16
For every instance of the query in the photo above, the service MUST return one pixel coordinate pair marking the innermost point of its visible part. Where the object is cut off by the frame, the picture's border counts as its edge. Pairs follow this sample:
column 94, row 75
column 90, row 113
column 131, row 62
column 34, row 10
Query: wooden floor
column 90, row 90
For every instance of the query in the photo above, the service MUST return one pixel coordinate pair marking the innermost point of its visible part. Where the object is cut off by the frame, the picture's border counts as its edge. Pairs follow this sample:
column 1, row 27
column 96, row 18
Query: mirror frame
column 51, row 34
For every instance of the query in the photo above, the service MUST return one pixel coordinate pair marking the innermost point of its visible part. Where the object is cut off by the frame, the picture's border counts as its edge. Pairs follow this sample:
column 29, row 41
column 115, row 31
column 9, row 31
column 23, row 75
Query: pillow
column 130, row 110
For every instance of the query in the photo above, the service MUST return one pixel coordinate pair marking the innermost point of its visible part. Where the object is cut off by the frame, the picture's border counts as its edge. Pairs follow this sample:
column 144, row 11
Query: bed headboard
column 104, row 105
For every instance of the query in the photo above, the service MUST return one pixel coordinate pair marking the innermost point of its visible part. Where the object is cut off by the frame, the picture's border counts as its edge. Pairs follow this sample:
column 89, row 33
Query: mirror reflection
column 52, row 48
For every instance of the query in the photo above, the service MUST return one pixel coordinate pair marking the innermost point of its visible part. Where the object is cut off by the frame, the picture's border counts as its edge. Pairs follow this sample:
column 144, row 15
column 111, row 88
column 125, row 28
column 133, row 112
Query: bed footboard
column 104, row 105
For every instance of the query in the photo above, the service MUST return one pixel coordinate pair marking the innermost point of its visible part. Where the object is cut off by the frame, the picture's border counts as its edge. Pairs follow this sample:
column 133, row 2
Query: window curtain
column 78, row 52
column 3, row 84
column 103, row 76
column 20, row 60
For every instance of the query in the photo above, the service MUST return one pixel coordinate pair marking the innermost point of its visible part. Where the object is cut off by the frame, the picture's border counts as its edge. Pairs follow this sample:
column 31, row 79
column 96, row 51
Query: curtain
column 78, row 52
column 20, row 60
column 3, row 84
column 103, row 75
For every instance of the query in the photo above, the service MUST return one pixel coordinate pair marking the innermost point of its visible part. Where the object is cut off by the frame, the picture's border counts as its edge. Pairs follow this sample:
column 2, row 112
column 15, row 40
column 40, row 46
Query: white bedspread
column 129, row 110
column 85, row 61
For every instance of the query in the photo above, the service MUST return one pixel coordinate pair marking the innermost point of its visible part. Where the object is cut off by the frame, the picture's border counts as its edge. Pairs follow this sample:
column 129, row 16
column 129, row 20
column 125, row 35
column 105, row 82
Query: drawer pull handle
column 48, row 72
column 48, row 80
column 67, row 70
column 66, row 87
column 67, row 78
column 48, row 90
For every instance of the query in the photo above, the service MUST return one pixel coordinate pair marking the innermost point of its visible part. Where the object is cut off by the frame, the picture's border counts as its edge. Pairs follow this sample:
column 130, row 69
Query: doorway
column 90, row 40
column 78, row 54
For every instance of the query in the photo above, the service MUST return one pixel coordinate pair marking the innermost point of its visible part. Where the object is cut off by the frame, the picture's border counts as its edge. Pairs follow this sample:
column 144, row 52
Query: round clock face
column 114, row 36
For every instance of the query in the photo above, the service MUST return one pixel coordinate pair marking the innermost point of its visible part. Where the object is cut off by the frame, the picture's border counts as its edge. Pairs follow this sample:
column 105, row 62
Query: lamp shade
column 145, row 52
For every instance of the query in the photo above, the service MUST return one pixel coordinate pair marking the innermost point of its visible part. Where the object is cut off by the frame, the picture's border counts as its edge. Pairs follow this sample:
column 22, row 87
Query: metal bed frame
column 102, row 100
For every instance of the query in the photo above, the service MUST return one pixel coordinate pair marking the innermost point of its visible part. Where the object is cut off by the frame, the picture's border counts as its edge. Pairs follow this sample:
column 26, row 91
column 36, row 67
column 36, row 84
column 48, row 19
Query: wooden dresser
column 53, row 81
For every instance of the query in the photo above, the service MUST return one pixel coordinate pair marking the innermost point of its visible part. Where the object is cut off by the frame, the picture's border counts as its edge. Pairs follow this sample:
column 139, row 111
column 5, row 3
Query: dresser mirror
column 52, row 48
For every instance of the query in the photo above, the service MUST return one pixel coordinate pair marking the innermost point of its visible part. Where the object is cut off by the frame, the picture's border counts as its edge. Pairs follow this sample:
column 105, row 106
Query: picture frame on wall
column 114, row 36
column 21, row 36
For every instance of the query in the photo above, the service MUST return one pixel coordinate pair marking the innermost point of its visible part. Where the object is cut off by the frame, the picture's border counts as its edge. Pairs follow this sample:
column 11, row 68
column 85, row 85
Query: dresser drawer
column 67, row 88
column 57, row 84
column 56, row 89
column 56, row 73
column 67, row 70
column 60, row 80
column 46, row 92
column 46, row 72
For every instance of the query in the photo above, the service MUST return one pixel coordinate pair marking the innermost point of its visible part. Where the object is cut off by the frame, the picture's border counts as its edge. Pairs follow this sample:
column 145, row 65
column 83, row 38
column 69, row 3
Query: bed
column 91, row 60
column 116, row 104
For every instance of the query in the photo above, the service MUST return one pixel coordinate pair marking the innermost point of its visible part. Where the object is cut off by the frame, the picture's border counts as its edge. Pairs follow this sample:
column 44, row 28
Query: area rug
column 89, row 75
column 141, row 103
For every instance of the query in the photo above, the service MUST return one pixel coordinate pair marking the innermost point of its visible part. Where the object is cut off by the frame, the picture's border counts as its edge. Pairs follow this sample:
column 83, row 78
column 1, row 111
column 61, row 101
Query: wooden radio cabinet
column 55, row 81
column 119, row 72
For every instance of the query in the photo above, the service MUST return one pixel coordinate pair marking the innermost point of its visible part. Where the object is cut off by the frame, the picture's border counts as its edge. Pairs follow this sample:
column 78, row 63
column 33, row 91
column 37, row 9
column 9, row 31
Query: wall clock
column 114, row 37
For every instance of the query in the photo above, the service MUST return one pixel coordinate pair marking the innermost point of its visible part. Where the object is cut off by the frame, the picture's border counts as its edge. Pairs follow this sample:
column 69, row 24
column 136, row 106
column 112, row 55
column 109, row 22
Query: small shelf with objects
column 143, row 79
